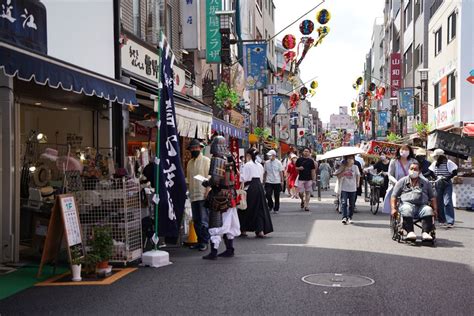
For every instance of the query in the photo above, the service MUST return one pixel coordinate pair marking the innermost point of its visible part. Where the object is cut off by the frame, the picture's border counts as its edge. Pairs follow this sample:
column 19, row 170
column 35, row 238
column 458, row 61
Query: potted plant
column 225, row 97
column 102, row 245
column 76, row 264
column 90, row 263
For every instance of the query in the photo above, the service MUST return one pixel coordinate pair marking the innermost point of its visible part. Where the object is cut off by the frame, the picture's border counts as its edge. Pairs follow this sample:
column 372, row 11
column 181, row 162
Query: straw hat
column 420, row 152
column 438, row 152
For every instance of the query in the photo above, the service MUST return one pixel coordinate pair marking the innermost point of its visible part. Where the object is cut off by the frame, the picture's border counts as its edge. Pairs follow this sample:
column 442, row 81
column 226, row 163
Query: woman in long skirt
column 257, row 215
column 325, row 174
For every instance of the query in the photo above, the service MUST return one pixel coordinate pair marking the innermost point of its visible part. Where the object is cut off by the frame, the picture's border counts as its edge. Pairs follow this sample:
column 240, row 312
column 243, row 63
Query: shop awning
column 468, row 129
column 452, row 144
column 27, row 65
column 193, row 120
column 228, row 129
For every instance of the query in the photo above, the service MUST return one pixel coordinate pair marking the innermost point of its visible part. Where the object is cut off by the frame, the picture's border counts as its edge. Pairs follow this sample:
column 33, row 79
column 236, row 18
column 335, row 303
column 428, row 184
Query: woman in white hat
column 444, row 169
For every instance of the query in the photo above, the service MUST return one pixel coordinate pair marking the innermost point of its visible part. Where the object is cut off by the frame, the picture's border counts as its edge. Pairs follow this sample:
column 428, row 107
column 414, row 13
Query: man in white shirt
column 273, row 179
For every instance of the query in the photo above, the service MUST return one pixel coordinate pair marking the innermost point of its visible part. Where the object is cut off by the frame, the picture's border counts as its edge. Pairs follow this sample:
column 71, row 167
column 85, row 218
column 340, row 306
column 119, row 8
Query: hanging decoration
column 306, row 27
column 289, row 41
column 304, row 90
column 380, row 93
column 294, row 99
column 323, row 16
column 323, row 31
column 372, row 87
column 288, row 57
column 314, row 84
column 307, row 43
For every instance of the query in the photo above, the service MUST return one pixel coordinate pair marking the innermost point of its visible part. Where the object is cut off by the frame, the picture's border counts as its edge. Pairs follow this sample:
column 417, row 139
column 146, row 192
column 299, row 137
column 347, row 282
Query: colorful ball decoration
column 372, row 87
column 360, row 81
column 306, row 27
column 355, row 86
column 314, row 84
column 323, row 16
column 294, row 98
column 304, row 91
column 289, row 41
column 381, row 91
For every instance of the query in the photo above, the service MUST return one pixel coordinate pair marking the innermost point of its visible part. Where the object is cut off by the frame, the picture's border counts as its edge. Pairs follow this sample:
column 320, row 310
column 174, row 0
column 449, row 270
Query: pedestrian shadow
column 446, row 243
column 372, row 225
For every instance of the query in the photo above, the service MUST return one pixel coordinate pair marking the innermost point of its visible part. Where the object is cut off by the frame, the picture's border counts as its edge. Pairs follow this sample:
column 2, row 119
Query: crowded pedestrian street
column 265, row 276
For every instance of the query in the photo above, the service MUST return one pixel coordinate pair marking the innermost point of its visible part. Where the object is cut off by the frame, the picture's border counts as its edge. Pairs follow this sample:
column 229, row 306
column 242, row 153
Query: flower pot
column 103, row 265
column 76, row 272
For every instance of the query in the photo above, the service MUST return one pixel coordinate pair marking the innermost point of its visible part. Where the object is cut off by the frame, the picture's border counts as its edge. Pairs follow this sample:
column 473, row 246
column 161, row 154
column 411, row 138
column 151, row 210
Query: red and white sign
column 395, row 73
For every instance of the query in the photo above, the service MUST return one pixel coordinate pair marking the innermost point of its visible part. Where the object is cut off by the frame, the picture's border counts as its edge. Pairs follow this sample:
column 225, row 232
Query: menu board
column 71, row 220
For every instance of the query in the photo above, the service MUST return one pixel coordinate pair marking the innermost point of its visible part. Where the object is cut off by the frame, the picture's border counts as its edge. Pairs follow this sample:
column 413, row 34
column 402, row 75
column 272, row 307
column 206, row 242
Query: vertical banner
column 277, row 102
column 172, row 185
column 382, row 123
column 444, row 90
column 293, row 119
column 406, row 101
column 395, row 73
column 255, row 66
column 190, row 23
column 234, row 150
column 213, row 35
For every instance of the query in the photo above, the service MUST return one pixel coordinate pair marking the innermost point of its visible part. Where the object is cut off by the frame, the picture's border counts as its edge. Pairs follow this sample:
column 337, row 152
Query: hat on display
column 195, row 142
column 438, row 152
column 271, row 153
column 50, row 153
column 420, row 152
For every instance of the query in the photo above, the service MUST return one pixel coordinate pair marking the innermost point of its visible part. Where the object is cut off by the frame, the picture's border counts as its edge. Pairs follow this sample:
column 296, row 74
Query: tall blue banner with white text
column 255, row 66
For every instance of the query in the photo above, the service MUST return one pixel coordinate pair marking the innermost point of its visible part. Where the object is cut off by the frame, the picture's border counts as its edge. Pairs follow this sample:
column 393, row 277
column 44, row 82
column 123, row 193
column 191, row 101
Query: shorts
column 305, row 186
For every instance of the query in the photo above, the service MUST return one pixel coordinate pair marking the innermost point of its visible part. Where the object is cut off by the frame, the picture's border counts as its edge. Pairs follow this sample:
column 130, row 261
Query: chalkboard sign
column 64, row 221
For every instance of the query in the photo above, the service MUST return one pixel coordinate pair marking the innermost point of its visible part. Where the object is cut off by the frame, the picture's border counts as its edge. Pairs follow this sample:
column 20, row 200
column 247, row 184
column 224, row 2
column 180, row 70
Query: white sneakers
column 426, row 236
column 347, row 221
column 344, row 221
column 411, row 236
column 350, row 221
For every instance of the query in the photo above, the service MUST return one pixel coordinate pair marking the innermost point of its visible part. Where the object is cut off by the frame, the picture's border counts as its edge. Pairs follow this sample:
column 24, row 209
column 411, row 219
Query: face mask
column 414, row 174
column 404, row 153
column 195, row 153
column 383, row 158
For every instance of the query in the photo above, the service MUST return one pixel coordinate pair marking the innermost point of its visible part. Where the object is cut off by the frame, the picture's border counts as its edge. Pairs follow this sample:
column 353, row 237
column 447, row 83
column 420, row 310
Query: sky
column 339, row 60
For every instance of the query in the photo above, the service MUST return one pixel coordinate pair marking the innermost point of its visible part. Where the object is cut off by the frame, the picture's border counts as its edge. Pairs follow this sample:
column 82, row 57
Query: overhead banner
column 395, row 73
column 213, row 35
column 190, row 23
column 406, row 101
column 277, row 102
column 172, row 184
column 255, row 66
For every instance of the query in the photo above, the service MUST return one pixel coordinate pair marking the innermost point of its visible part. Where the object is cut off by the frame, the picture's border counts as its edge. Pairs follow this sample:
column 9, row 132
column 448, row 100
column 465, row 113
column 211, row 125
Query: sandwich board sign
column 64, row 222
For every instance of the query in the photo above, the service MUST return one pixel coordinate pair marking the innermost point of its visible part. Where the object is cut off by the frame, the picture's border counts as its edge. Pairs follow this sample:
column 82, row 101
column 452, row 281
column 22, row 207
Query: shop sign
column 382, row 123
column 23, row 23
column 213, row 35
column 424, row 112
column 236, row 119
column 452, row 144
column 444, row 116
column 293, row 119
column 395, row 73
column 377, row 148
column 444, row 90
column 190, row 23
column 144, row 63
column 406, row 101
column 255, row 66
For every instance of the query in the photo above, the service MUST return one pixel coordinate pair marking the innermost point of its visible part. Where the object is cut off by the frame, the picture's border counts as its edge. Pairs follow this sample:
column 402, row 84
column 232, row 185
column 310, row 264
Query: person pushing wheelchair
column 414, row 193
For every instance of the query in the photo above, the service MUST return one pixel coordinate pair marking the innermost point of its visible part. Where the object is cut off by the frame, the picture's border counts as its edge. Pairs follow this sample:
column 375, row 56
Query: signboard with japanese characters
column 23, row 23
column 190, row 23
column 407, row 103
column 213, row 35
column 395, row 73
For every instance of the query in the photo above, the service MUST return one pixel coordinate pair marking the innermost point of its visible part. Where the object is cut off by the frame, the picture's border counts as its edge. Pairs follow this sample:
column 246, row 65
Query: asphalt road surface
column 265, row 277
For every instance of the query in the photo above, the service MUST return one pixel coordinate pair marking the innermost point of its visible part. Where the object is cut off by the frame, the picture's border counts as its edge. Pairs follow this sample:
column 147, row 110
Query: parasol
column 340, row 152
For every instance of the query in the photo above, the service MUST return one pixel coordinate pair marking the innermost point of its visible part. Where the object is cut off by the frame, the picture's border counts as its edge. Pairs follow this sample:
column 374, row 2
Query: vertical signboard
column 444, row 90
column 213, row 35
column 395, row 73
column 407, row 101
column 382, row 123
column 255, row 66
column 190, row 23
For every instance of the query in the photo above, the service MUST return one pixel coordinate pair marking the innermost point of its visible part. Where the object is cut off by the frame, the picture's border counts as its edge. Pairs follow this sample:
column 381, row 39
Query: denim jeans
column 415, row 211
column 201, row 221
column 445, row 202
column 345, row 196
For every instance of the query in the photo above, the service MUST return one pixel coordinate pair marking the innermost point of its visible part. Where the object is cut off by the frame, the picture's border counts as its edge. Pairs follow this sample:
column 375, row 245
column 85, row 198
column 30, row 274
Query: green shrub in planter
column 102, row 243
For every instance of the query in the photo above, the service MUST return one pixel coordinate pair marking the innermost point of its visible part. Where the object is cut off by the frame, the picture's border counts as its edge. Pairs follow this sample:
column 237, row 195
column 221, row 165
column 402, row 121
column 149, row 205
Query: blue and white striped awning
column 228, row 129
column 27, row 65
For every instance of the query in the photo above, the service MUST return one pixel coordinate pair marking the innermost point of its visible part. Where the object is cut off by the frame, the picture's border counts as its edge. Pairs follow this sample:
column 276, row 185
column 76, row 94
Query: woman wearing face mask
column 349, row 176
column 397, row 169
column 382, row 166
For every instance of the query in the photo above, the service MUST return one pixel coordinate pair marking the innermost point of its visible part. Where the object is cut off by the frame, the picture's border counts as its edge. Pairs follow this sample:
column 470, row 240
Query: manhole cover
column 337, row 280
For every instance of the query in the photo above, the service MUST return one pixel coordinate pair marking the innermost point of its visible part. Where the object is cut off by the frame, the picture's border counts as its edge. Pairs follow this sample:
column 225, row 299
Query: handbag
column 242, row 194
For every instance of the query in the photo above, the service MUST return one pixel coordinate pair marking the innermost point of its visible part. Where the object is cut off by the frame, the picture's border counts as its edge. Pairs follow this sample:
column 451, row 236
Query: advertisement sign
column 277, row 102
column 190, row 23
column 395, row 73
column 382, row 123
column 23, row 23
column 293, row 119
column 255, row 66
column 445, row 115
column 213, row 35
column 378, row 147
column 444, row 90
column 407, row 101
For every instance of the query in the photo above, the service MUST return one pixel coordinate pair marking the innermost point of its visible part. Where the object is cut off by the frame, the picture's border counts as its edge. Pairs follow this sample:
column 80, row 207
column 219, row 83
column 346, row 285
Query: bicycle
column 376, row 183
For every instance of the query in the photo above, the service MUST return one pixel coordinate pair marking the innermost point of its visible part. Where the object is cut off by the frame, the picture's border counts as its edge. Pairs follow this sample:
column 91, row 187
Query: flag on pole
column 172, row 185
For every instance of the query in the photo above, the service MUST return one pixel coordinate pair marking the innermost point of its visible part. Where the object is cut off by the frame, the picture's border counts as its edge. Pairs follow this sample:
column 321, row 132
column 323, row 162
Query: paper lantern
column 304, row 90
column 323, row 16
column 306, row 27
column 294, row 98
column 372, row 87
column 289, row 41
column 314, row 84
column 359, row 81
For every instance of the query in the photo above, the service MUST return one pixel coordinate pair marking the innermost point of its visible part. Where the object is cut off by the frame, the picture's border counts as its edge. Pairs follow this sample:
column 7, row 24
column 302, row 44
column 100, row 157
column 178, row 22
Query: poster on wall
column 255, row 66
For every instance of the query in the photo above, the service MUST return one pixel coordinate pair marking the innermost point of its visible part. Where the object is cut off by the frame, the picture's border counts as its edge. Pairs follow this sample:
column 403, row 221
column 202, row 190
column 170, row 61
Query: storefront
column 54, row 117
column 139, row 63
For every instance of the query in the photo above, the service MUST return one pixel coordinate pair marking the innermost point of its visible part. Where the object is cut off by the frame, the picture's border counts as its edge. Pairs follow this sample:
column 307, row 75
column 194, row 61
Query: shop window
column 418, row 56
column 438, row 42
column 418, row 8
column 407, row 60
column 169, row 24
column 451, row 27
column 408, row 15
column 437, row 94
column 451, row 86
column 136, row 12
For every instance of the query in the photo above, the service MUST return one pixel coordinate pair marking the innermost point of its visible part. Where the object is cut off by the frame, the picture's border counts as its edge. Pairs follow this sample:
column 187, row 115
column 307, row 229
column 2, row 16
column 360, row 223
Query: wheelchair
column 399, row 233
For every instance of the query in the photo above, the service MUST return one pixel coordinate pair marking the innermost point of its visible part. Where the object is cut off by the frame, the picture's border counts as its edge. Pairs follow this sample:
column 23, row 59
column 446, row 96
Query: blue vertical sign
column 172, row 184
column 382, row 123
column 277, row 102
column 406, row 100
column 255, row 66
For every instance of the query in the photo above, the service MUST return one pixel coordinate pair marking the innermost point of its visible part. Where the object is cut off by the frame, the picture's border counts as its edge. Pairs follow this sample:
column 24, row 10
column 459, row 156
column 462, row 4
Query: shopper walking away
column 324, row 174
column 445, row 170
column 291, row 175
column 273, row 179
column 198, row 165
column 306, row 175
column 348, row 175
column 420, row 156
column 316, row 169
column 257, row 215
column 397, row 169
column 222, row 199
column 284, row 161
